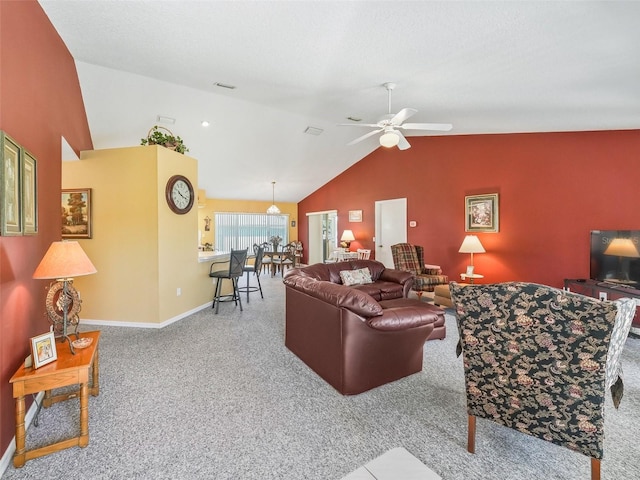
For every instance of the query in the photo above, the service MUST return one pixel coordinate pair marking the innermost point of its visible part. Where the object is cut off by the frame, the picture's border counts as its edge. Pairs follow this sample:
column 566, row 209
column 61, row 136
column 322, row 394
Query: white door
column 391, row 228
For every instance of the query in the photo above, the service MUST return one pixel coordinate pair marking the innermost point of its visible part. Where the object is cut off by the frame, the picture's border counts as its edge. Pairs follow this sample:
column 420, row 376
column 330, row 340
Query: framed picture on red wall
column 481, row 213
column 10, row 186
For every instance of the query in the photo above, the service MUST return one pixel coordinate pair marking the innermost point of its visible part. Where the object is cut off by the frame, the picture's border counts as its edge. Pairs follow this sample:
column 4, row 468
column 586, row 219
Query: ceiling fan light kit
column 389, row 139
column 390, row 124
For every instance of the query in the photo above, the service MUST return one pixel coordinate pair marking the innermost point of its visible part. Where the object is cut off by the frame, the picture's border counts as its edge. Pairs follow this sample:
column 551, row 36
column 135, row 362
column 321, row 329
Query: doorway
column 323, row 235
column 391, row 228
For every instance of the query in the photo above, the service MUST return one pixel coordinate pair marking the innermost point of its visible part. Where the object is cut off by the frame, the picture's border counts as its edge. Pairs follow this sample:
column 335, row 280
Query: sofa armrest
column 339, row 295
column 396, row 276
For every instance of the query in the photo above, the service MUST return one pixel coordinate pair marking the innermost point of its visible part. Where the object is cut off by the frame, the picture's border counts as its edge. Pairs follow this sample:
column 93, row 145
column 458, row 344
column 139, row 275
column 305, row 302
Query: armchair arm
column 431, row 269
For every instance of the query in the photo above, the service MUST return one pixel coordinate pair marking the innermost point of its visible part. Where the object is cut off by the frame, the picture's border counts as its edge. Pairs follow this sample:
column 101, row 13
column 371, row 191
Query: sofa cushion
column 382, row 290
column 335, row 294
column 360, row 276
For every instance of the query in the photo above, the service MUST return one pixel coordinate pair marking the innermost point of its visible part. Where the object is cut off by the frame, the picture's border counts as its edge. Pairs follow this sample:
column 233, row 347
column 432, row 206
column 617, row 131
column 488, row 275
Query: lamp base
column 63, row 305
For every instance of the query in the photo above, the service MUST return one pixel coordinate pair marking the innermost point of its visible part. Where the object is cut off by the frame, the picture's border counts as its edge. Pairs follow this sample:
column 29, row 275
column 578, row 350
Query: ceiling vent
column 165, row 119
column 354, row 119
column 313, row 130
column 225, row 85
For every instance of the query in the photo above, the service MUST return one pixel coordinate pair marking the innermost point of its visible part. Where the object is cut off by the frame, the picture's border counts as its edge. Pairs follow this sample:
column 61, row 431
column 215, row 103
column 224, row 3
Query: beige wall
column 243, row 206
column 142, row 250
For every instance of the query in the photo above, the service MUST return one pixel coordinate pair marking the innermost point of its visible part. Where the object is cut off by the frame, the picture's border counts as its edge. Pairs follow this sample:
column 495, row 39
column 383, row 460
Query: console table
column 68, row 369
column 604, row 291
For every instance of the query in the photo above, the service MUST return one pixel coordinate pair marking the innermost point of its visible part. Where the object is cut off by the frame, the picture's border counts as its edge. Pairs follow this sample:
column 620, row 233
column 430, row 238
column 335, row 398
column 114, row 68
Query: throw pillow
column 356, row 277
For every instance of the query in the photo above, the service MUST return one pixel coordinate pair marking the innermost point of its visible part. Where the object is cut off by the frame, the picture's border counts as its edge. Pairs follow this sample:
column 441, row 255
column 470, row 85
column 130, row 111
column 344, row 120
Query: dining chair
column 266, row 259
column 237, row 259
column 363, row 253
column 287, row 258
column 254, row 268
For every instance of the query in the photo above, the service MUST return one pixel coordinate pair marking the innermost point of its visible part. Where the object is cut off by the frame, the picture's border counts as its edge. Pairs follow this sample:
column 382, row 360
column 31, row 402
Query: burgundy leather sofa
column 359, row 337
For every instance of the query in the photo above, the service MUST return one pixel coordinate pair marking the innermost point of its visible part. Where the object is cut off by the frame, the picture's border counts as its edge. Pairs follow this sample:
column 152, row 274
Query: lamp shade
column 471, row 244
column 347, row 236
column 622, row 247
column 64, row 260
column 389, row 139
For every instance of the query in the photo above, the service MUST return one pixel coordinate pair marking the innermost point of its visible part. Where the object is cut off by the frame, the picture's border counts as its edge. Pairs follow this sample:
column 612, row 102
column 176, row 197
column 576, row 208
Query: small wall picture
column 355, row 215
column 43, row 349
column 481, row 213
column 76, row 213
column 10, row 187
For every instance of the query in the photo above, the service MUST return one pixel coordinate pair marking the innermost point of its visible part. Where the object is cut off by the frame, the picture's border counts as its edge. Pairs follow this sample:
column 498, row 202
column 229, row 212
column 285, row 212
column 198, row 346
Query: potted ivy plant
column 163, row 136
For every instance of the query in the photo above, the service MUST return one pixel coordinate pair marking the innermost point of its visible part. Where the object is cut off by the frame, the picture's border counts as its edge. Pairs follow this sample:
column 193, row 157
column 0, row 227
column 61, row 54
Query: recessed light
column 225, row 85
column 204, row 123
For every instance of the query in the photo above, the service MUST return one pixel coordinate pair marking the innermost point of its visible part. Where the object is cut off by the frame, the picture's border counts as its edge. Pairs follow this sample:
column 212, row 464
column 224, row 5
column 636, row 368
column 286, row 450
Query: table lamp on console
column 63, row 261
column 346, row 238
column 471, row 244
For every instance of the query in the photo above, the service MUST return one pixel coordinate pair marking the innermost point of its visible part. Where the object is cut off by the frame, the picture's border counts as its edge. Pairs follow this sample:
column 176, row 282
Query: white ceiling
column 485, row 67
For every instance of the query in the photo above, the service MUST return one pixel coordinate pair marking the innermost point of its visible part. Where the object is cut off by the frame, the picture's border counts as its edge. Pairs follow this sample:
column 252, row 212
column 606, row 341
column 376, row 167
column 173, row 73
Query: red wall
column 40, row 101
column 553, row 189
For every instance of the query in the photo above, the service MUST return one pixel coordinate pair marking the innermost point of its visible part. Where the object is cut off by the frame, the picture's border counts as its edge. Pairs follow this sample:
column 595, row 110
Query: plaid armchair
column 540, row 360
column 410, row 258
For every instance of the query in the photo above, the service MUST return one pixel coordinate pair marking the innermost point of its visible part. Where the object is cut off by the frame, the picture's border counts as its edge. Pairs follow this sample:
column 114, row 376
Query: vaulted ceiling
column 485, row 67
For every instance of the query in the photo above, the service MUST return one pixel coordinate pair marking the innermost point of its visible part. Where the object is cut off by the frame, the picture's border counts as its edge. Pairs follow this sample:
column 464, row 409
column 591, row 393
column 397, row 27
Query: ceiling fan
column 391, row 124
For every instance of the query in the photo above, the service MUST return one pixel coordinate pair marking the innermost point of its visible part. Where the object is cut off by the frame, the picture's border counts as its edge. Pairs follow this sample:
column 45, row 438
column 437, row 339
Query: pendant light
column 273, row 209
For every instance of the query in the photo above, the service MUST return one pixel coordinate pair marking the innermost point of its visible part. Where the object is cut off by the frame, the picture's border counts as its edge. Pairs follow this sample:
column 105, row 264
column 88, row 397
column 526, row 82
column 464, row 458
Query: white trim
column 7, row 457
column 322, row 212
column 115, row 323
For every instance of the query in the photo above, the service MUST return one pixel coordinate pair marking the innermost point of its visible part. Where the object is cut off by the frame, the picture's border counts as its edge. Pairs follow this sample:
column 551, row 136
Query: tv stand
column 606, row 291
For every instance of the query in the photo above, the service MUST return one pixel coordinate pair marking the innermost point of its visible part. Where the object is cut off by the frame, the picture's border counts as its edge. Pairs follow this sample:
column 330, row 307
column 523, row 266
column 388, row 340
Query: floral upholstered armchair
column 410, row 258
column 540, row 360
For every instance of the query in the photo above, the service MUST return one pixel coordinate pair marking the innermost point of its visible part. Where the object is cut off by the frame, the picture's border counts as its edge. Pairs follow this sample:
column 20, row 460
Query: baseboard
column 115, row 323
column 7, row 457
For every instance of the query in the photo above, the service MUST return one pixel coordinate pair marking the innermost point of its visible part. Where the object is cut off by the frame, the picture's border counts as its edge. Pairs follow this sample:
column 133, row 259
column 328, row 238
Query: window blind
column 241, row 230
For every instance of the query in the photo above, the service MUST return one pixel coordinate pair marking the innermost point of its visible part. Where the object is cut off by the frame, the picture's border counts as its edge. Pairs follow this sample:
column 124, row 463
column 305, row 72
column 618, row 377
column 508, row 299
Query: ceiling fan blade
column 443, row 127
column 366, row 135
column 370, row 125
column 402, row 144
column 402, row 115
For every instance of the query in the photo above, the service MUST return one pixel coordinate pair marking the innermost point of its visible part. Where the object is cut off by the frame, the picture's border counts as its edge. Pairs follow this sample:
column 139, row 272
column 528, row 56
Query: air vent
column 225, row 85
column 165, row 119
column 354, row 119
column 313, row 131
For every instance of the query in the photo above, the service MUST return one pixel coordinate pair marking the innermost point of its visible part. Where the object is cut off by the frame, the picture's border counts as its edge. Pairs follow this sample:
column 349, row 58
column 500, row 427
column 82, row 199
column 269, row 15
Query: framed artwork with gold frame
column 10, row 186
column 29, row 194
column 76, row 213
column 481, row 213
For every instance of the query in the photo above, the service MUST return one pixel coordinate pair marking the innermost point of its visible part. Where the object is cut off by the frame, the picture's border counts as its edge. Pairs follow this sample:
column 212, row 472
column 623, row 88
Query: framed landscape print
column 10, row 181
column 481, row 213
column 355, row 215
column 76, row 213
column 29, row 194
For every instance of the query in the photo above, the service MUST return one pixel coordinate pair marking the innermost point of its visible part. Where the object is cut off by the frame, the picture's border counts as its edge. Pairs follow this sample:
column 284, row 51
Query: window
column 241, row 230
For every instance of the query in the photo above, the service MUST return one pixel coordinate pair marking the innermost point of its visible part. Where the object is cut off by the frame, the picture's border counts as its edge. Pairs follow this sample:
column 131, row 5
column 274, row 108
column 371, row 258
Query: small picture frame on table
column 43, row 349
column 469, row 270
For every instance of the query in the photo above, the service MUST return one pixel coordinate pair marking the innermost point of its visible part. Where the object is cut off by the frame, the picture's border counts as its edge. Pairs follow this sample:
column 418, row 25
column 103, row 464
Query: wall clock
column 179, row 194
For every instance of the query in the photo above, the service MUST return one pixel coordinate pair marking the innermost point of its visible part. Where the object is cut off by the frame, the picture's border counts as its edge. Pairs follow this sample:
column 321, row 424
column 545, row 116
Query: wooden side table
column 68, row 369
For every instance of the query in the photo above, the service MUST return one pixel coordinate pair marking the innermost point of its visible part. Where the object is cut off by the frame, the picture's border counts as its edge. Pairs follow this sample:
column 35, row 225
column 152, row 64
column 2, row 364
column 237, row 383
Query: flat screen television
column 615, row 257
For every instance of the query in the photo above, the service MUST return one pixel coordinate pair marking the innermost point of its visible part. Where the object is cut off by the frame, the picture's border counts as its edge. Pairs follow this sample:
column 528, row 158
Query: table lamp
column 471, row 244
column 622, row 248
column 63, row 261
column 347, row 237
